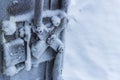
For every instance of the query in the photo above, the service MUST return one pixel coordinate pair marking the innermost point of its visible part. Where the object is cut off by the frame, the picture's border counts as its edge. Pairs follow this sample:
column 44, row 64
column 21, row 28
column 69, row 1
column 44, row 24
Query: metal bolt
column 19, row 48
column 19, row 57
column 11, row 54
column 61, row 49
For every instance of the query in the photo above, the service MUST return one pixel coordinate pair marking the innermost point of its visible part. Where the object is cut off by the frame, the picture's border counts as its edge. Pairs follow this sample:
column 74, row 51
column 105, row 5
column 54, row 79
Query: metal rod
column 38, row 12
column 58, row 63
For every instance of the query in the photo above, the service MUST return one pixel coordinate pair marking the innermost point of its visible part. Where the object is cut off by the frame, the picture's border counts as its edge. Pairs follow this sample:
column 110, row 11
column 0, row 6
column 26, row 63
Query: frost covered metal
column 33, row 38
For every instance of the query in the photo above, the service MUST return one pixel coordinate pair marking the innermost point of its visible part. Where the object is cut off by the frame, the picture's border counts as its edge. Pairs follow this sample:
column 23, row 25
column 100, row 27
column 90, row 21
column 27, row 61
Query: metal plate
column 14, row 52
column 18, row 7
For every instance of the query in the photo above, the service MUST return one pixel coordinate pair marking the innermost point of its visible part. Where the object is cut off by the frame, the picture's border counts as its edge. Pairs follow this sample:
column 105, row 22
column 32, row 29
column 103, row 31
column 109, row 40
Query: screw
column 11, row 54
column 19, row 57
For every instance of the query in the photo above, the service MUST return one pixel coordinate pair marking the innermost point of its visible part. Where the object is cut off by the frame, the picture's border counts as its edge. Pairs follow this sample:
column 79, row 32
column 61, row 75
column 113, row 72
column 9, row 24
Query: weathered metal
column 39, row 4
column 36, row 45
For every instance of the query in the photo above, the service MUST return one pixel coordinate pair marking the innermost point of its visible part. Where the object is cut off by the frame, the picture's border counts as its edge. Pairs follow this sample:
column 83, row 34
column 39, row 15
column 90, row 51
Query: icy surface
column 8, row 27
column 93, row 41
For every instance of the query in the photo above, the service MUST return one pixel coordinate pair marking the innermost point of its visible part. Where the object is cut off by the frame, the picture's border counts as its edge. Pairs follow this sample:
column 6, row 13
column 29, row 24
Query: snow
column 56, row 21
column 8, row 30
column 11, row 71
column 50, row 13
column 92, row 43
column 23, row 17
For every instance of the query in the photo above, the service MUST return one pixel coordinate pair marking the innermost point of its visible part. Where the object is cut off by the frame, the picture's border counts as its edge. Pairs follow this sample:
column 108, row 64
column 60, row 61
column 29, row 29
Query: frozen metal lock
column 47, row 40
column 22, row 52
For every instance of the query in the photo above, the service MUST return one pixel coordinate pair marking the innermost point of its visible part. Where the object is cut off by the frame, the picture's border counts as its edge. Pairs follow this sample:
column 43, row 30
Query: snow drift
column 93, row 41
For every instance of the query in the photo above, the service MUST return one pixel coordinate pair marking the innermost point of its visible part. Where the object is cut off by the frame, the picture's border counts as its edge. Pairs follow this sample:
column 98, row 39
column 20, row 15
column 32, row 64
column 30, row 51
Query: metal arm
column 38, row 12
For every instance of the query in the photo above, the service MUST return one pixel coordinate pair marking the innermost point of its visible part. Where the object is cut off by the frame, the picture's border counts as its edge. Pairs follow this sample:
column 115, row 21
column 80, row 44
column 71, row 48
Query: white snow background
column 93, row 41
